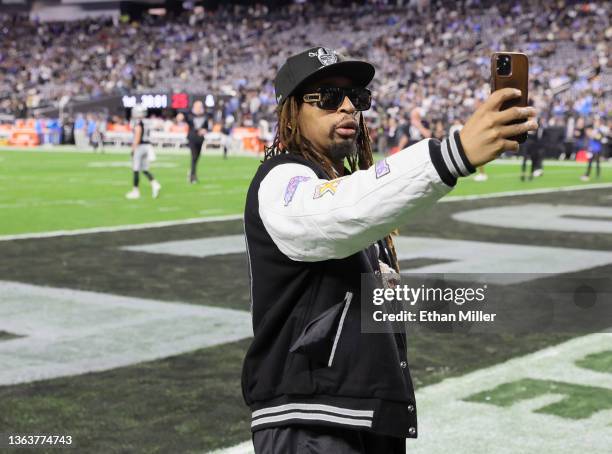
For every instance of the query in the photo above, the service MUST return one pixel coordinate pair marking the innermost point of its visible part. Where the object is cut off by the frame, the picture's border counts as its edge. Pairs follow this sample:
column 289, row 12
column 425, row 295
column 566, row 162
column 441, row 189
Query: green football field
column 132, row 339
column 44, row 191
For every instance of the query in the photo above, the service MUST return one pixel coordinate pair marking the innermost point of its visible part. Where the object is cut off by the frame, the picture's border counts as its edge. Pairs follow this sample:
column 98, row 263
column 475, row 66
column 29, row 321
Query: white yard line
column 495, row 195
column 166, row 151
column 120, row 228
column 547, row 162
column 232, row 217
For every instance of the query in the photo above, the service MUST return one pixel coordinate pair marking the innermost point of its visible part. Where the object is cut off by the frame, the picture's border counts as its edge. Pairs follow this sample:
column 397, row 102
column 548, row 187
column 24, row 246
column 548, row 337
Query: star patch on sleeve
column 324, row 188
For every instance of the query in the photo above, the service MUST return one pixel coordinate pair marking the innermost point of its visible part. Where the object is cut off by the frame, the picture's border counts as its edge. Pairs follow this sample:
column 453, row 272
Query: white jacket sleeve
column 312, row 219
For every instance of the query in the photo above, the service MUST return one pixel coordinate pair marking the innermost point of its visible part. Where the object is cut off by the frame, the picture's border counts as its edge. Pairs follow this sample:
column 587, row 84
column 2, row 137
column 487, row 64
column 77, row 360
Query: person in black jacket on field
column 198, row 127
column 318, row 216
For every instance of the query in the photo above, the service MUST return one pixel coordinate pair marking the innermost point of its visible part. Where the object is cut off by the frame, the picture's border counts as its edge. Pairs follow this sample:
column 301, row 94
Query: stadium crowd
column 432, row 58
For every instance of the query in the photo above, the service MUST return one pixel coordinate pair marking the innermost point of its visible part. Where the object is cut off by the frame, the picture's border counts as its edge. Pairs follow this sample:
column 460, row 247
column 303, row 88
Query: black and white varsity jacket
column 309, row 239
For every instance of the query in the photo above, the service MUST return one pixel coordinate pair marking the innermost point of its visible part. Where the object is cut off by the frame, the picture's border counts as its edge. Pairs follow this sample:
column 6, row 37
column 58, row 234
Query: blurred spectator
column 91, row 128
column 439, row 132
column 80, row 132
column 97, row 137
column 595, row 137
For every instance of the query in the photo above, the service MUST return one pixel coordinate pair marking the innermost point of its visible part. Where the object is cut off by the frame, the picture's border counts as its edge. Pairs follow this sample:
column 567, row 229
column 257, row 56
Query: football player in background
column 198, row 127
column 142, row 153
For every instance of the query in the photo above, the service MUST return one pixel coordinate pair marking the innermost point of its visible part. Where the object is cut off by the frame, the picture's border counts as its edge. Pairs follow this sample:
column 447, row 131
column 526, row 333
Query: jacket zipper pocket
column 347, row 301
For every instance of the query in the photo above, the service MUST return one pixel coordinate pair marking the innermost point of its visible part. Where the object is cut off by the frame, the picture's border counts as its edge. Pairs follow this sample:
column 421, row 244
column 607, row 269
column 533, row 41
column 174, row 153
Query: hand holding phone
column 503, row 120
column 489, row 131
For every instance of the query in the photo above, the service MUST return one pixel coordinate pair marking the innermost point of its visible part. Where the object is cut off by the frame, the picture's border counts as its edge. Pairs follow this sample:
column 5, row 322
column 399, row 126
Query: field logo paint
column 599, row 362
column 542, row 216
column 482, row 257
column 72, row 332
column 459, row 256
column 561, row 408
column 578, row 402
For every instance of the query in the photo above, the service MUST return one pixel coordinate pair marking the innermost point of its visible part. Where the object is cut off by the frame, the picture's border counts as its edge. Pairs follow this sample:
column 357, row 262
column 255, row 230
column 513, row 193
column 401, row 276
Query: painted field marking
column 446, row 418
column 542, row 216
column 520, row 262
column 72, row 332
column 202, row 247
column 450, row 423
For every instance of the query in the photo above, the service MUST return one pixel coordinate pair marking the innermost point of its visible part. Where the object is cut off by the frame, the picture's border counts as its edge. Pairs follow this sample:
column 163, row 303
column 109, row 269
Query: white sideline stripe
column 121, row 228
column 319, row 407
column 459, row 198
column 233, row 217
column 313, row 417
column 547, row 162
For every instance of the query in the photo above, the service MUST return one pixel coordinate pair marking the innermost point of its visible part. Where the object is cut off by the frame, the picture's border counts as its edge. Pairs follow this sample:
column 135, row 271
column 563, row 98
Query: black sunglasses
column 330, row 98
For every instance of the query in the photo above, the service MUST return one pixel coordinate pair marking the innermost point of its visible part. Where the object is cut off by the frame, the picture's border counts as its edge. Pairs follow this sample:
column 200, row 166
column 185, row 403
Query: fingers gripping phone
column 511, row 69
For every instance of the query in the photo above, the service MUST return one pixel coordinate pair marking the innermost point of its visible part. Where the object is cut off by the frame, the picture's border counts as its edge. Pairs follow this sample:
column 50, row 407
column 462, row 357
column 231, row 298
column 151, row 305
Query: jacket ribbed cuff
column 449, row 159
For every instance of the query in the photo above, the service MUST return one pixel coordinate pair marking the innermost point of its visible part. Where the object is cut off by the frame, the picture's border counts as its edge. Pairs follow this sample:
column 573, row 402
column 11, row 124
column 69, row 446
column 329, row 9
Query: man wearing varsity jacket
column 318, row 214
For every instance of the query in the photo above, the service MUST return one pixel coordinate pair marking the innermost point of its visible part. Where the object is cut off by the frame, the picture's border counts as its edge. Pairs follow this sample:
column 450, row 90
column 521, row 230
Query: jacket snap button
column 412, row 430
column 411, row 408
column 403, row 364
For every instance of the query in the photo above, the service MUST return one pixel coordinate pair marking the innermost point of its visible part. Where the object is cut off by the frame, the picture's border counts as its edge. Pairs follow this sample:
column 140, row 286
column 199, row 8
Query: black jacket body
column 309, row 363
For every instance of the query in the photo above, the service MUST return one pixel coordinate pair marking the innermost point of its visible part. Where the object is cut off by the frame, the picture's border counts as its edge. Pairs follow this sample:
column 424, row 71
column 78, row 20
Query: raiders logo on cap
column 326, row 56
column 318, row 62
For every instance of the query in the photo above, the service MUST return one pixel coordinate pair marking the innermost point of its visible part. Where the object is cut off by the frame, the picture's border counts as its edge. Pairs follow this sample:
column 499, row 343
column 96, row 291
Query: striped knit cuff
column 449, row 159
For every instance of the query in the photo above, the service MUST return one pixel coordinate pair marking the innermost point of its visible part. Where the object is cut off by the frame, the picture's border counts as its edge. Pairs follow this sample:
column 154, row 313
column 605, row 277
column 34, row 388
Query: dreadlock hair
column 289, row 139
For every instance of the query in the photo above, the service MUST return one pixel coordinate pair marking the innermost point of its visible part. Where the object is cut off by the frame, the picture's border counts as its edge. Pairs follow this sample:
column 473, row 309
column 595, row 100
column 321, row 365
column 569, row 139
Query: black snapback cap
column 316, row 63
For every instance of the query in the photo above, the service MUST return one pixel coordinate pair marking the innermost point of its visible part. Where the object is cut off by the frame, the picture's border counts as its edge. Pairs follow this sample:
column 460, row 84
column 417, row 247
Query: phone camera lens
column 504, row 66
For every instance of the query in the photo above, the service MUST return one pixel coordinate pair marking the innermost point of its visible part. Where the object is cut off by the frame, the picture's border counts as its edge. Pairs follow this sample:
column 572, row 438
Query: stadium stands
column 432, row 56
